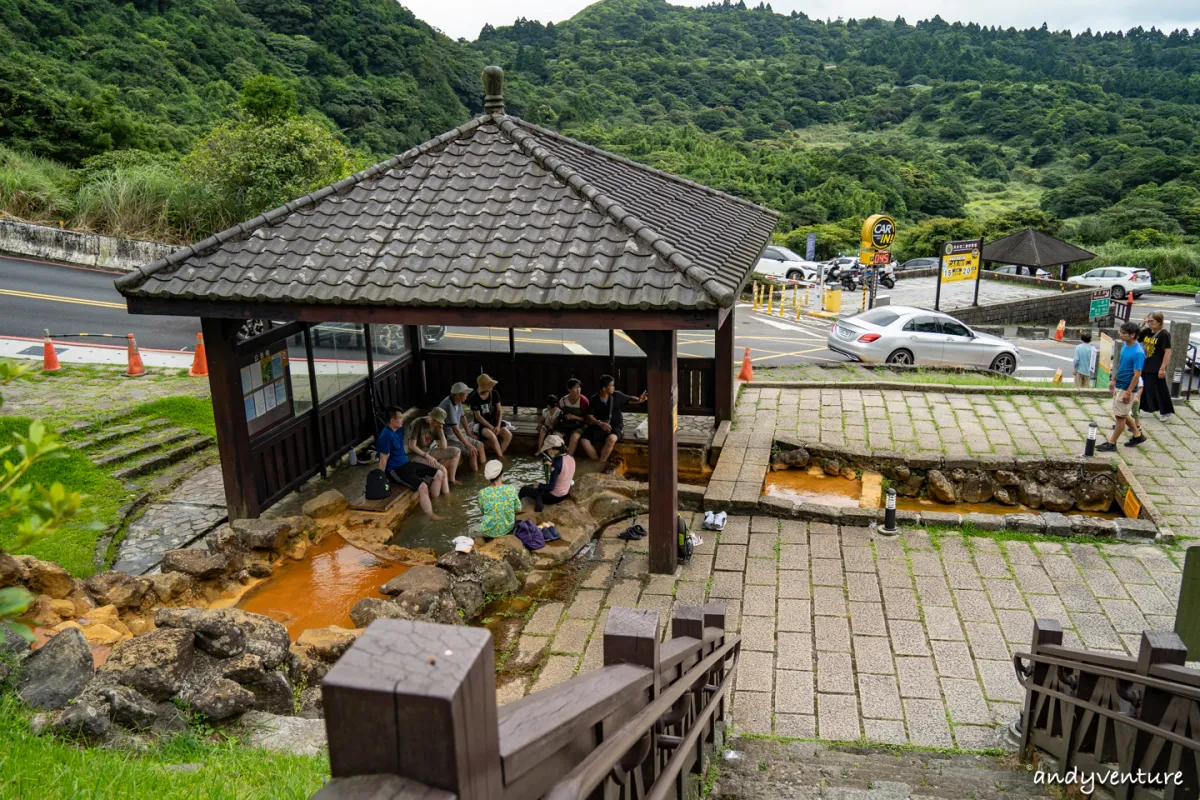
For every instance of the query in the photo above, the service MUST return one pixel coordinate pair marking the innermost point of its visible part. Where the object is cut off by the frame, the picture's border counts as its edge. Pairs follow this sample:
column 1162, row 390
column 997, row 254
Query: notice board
column 266, row 387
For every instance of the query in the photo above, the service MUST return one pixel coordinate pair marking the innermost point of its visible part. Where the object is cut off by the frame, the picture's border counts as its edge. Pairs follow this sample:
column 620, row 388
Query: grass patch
column 894, row 749
column 1178, row 288
column 74, row 545
column 33, row 767
column 852, row 372
column 185, row 412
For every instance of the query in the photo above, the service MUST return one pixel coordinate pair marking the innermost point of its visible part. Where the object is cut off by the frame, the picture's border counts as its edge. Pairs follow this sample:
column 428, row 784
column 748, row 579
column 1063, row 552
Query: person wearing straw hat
column 426, row 440
column 562, row 470
column 456, row 420
column 487, row 408
column 498, row 502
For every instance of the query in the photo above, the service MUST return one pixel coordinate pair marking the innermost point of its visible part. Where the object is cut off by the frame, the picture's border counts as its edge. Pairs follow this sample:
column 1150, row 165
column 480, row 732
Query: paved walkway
column 920, row 292
column 193, row 509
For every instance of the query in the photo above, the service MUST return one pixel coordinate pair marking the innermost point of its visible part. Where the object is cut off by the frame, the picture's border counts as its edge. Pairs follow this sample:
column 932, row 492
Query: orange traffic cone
column 200, row 362
column 1058, row 332
column 136, row 367
column 49, row 357
column 747, row 373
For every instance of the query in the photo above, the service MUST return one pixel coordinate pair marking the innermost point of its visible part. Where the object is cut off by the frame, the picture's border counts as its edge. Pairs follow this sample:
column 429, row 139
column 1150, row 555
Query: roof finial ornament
column 493, row 90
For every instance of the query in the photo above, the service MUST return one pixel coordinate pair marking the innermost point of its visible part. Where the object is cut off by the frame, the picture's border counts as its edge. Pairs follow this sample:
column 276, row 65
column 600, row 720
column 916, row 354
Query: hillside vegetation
column 148, row 118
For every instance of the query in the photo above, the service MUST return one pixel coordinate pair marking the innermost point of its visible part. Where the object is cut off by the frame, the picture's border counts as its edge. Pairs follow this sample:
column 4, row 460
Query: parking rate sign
column 960, row 261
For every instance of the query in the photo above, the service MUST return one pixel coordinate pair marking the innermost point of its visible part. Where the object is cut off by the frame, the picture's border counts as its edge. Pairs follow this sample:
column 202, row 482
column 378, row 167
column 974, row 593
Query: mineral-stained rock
column 304, row 670
column 911, row 487
column 369, row 609
column 57, row 671
column 831, row 466
column 848, row 473
column 419, row 579
column 297, row 549
column 11, row 570
column 1065, row 478
column 494, row 577
column 170, row 586
column 87, row 719
column 901, row 473
column 197, row 563
column 154, row 664
column 1006, row 477
column 469, row 596
column 262, row 534
column 940, row 487
column 265, row 637
column 792, row 458
column 129, row 708
column 259, row 569
column 1057, row 499
column 1096, row 493
column 326, row 504
column 1030, row 494
column 216, row 632
column 65, row 609
column 118, row 589
column 46, row 577
column 977, row 487
column 511, row 550
column 98, row 633
column 1004, row 496
column 222, row 699
column 327, row 644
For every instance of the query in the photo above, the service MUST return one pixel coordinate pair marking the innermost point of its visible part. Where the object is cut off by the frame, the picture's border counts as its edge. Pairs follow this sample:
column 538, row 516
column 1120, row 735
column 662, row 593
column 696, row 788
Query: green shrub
column 33, row 188
column 1168, row 265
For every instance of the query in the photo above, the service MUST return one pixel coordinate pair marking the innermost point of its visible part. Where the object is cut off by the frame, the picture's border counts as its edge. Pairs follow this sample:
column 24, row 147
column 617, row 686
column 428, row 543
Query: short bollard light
column 1177, row 383
column 1089, row 449
column 889, row 516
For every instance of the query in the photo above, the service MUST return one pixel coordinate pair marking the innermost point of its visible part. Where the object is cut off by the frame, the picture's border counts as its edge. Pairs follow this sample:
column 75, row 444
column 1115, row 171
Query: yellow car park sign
column 878, row 232
column 960, row 261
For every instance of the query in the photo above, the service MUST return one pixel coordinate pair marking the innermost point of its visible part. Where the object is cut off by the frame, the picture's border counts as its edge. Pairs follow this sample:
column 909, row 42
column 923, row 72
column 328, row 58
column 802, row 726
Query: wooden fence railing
column 411, row 713
column 1130, row 723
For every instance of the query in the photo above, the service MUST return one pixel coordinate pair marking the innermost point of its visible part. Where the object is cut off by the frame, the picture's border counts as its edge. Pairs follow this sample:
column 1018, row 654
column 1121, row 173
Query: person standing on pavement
column 1084, row 358
column 1156, row 341
column 1129, row 372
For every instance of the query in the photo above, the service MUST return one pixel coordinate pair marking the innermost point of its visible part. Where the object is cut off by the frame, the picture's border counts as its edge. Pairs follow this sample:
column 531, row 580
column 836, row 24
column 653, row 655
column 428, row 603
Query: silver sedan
column 905, row 335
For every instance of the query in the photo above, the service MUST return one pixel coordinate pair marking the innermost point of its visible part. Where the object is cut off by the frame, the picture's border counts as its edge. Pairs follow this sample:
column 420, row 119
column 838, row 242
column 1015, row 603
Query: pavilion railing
column 1133, row 722
column 411, row 712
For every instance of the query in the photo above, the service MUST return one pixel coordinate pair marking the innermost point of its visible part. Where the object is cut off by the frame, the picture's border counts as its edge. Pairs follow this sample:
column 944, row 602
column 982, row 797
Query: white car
column 780, row 262
column 905, row 336
column 1123, row 281
column 1013, row 269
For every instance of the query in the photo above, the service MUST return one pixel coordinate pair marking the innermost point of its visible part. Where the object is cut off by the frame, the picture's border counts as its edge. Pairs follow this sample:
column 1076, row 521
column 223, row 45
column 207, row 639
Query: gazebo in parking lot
column 497, row 223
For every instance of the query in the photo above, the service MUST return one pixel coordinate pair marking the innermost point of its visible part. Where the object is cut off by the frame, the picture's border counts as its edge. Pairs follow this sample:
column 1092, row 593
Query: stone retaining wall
column 1073, row 306
column 74, row 247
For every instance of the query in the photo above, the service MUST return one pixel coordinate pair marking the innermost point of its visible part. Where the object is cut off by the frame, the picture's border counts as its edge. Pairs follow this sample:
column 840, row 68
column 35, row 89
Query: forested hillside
column 953, row 128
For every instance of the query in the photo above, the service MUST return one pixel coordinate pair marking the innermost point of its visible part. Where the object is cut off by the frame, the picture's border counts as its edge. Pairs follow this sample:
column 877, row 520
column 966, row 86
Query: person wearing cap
column 498, row 502
column 562, row 470
column 489, row 423
column 426, row 440
column 423, row 479
column 455, row 419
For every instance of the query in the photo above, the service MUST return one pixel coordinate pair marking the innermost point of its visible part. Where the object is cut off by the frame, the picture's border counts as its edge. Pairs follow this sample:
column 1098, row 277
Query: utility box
column 883, row 300
column 833, row 300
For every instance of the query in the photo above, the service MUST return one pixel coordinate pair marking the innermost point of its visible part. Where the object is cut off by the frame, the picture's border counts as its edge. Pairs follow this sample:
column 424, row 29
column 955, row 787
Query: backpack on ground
column 377, row 485
column 685, row 540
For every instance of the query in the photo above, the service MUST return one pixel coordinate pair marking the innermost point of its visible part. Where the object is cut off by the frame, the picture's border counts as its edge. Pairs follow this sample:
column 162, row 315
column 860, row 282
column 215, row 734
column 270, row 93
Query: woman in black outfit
column 1156, row 341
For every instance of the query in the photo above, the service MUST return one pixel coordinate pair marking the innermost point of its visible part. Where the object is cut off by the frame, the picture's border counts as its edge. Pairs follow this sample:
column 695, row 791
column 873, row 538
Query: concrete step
column 142, row 446
column 118, row 432
column 166, row 458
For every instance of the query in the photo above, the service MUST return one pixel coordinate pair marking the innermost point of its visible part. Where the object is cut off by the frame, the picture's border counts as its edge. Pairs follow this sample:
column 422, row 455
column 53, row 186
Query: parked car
column 924, row 262
column 780, row 262
column 1013, row 269
column 1123, row 280
column 388, row 338
column 905, row 335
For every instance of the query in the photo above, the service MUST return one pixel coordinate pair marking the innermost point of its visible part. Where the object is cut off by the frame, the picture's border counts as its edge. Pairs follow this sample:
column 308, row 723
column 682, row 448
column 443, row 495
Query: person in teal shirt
column 1084, row 353
column 498, row 502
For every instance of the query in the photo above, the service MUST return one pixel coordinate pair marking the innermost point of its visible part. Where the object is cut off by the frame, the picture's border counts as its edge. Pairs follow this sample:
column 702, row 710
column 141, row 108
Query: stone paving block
column 1130, row 570
column 755, row 671
column 964, row 699
column 867, row 619
column 1004, row 593
column 1150, row 599
column 794, row 584
column 925, row 562
column 1016, row 625
column 794, row 651
column 917, row 539
column 827, row 572
column 941, row 623
column 586, row 604
column 752, row 712
column 690, row 592
column 889, row 549
column 1104, row 583
column 793, row 692
column 758, row 633
column 973, row 606
column 976, row 737
column 1077, row 597
column 832, row 633
column 759, row 601
column 764, row 524
column 834, row 673
column 598, row 576
column 545, row 619
column 1060, row 567
column 829, row 601
column 908, row 637
column 763, row 545
column 933, row 591
column 793, row 531
column 1096, row 631
column 826, row 546
column 873, row 654
column 858, row 560
column 837, row 717
column 953, row 660
column 1033, row 579
column 699, row 568
column 556, row 670
column 1019, row 553
column 794, row 615
column 880, row 696
column 986, row 640
column 658, row 584
column 894, row 575
column 1087, row 556
column 990, row 565
column 1000, row 681
column 793, row 556
column 954, row 549
column 900, row 604
column 799, row 726
column 572, row 636
column 927, row 724
column 662, row 603
column 885, row 731
column 726, row 585
column 917, row 677
column 633, row 565
column 736, row 531
column 856, row 536
column 761, row 572
column 625, row 593
column 593, row 656
column 863, row 587
column 1049, row 606
column 731, row 557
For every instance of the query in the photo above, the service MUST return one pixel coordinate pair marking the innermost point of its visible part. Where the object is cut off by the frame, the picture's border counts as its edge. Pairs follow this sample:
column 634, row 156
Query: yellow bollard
column 754, row 302
column 782, row 289
column 864, row 297
column 770, row 298
column 797, row 318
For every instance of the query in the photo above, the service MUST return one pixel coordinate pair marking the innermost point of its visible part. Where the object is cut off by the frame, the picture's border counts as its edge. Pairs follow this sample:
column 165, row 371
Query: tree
column 266, row 98
column 1018, row 220
column 926, row 238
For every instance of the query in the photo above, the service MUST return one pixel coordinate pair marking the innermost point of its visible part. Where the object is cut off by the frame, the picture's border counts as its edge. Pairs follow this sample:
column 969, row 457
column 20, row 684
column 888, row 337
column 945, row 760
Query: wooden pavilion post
column 724, row 358
column 233, row 435
column 664, row 457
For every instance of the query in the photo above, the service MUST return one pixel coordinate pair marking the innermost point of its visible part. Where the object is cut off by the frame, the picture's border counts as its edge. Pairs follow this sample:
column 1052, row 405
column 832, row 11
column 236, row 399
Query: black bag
column 377, row 485
column 685, row 541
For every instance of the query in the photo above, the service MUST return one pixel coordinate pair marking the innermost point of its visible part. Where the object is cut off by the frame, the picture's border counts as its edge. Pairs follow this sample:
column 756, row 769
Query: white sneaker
column 708, row 521
column 1165, row 417
column 719, row 521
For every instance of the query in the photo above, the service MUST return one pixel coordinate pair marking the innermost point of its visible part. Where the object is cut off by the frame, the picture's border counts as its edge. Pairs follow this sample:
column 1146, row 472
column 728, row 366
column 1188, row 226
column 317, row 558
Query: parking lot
column 921, row 292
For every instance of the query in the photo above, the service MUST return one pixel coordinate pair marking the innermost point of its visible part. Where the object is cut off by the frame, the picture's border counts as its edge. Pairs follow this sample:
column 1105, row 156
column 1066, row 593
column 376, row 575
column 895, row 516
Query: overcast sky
column 464, row 18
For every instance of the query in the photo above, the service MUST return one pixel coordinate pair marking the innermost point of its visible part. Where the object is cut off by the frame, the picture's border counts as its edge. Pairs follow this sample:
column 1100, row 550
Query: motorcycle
column 843, row 277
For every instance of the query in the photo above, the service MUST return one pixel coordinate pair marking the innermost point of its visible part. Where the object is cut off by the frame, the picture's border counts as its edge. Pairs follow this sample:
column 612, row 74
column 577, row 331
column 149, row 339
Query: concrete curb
column 944, row 388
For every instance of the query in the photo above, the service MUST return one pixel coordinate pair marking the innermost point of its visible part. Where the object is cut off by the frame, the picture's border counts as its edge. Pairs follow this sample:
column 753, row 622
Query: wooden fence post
column 714, row 617
column 1157, row 648
column 631, row 637
column 417, row 700
column 688, row 621
column 1045, row 632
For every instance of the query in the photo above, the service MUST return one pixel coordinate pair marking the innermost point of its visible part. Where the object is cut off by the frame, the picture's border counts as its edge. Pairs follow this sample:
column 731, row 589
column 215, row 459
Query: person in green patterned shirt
column 498, row 503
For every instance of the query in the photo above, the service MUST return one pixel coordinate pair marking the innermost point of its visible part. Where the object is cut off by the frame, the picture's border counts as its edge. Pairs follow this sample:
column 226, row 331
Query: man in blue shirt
column 423, row 479
column 1084, row 352
column 1123, row 387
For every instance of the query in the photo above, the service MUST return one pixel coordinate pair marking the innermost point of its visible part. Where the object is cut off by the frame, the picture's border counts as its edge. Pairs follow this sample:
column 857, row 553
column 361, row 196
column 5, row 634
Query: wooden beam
column 482, row 316
column 233, row 437
column 664, row 457
column 724, row 370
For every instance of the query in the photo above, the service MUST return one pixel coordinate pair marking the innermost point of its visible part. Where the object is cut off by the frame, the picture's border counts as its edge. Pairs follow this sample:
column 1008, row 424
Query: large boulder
column 494, row 576
column 265, row 637
column 129, row 708
column 910, row 486
column 418, row 579
column 216, row 632
column 271, row 689
column 170, row 586
column 1029, row 493
column 12, row 571
column 511, row 550
column 940, row 487
column 1096, row 493
column 1057, row 499
column 197, row 563
column 46, row 577
column 977, row 487
column 305, row 737
column 118, row 589
column 1004, row 496
column 326, row 644
column 792, row 458
column 262, row 534
column 469, row 596
column 326, row 504
column 304, row 670
column 87, row 719
column 369, row 609
column 154, row 664
column 222, row 699
column 57, row 672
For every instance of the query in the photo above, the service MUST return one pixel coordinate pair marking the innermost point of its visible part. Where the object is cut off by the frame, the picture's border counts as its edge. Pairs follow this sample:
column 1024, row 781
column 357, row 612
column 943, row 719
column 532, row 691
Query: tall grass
column 128, row 201
column 34, row 188
column 1175, row 264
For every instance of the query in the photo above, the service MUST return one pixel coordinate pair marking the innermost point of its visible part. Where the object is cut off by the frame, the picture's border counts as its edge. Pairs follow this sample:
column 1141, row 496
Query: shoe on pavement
column 719, row 521
column 1106, row 447
column 1165, row 417
column 1135, row 441
column 708, row 521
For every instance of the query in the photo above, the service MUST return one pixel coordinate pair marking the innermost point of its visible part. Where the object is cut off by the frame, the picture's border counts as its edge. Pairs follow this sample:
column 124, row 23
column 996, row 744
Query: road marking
column 60, row 299
column 577, row 349
column 783, row 326
column 1046, row 354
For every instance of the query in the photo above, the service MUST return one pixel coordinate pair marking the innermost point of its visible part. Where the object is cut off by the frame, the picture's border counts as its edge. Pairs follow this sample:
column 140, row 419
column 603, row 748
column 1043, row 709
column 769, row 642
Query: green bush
column 1168, row 265
column 33, row 188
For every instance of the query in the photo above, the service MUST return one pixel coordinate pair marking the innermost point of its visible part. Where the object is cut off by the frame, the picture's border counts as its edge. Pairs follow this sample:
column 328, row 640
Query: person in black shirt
column 1156, row 341
column 489, row 424
column 605, row 425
